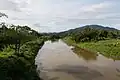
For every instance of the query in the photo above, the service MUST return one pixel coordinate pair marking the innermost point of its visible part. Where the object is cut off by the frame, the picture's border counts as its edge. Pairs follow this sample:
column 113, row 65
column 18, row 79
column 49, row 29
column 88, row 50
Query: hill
column 76, row 30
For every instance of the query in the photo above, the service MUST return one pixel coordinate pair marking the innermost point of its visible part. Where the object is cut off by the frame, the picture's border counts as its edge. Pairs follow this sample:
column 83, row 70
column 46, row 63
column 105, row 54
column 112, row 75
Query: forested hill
column 77, row 30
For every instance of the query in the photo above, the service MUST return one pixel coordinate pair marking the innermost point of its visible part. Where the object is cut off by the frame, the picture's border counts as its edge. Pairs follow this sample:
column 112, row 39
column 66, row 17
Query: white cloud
column 59, row 15
column 8, row 5
column 97, row 7
column 117, row 26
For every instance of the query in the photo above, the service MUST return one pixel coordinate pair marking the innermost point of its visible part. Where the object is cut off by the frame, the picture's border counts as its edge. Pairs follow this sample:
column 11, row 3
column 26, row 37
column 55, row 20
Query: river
column 57, row 61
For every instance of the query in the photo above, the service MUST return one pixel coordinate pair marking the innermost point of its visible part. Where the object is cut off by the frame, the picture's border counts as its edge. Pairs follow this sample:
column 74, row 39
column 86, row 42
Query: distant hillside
column 76, row 30
column 100, row 27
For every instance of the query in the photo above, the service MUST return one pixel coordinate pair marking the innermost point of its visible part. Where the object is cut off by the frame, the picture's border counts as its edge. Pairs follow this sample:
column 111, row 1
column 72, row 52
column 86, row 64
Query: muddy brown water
column 57, row 61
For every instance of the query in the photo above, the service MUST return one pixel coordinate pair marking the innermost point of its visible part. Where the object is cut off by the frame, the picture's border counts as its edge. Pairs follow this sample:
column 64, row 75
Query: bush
column 21, row 66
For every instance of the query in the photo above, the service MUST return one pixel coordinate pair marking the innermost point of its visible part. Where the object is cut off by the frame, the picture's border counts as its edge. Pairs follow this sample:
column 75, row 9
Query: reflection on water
column 86, row 55
column 79, row 72
column 56, row 61
column 54, row 40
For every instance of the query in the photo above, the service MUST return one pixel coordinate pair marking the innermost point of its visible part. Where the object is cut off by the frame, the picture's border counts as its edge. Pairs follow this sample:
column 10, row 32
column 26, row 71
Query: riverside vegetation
column 94, row 38
column 18, row 47
column 97, row 39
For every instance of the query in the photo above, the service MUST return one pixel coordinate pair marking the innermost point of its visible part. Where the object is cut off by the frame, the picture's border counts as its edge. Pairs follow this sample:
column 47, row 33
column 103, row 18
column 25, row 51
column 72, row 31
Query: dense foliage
column 91, row 33
column 21, row 67
column 16, row 35
column 18, row 47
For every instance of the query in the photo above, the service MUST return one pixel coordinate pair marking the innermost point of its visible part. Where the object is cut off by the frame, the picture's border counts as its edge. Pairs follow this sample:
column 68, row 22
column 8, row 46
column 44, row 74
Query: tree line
column 91, row 34
column 16, row 35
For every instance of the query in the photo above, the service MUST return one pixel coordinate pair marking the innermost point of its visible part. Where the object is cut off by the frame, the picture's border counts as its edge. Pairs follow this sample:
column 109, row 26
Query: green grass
column 108, row 48
column 69, row 41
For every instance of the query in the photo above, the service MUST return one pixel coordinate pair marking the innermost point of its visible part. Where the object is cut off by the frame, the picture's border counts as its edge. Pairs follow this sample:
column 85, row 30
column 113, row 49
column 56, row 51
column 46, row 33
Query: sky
column 61, row 15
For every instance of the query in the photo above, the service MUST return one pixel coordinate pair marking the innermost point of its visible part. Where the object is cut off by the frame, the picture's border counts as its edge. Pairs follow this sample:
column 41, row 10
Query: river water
column 57, row 61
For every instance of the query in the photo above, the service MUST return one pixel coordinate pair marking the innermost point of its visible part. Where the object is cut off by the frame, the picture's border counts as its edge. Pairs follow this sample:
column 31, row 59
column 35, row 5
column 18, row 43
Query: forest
column 18, row 47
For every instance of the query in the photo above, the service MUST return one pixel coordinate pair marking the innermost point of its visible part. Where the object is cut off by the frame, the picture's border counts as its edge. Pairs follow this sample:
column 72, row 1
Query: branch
column 3, row 14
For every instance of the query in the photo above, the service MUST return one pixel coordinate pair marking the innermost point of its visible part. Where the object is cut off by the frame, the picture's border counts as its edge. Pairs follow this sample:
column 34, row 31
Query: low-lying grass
column 109, row 48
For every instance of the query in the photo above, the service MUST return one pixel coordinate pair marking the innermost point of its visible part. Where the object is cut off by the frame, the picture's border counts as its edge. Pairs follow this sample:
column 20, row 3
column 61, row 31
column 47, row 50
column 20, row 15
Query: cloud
column 60, row 15
column 8, row 5
column 117, row 26
column 97, row 7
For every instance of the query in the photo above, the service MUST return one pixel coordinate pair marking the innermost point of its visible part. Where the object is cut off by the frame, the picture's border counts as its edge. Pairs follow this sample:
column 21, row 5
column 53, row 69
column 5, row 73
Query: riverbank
column 56, row 61
column 20, row 66
column 108, row 48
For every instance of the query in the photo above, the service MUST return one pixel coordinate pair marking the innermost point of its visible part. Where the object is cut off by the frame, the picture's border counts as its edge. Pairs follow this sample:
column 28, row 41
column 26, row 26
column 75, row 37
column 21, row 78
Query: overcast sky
column 61, row 15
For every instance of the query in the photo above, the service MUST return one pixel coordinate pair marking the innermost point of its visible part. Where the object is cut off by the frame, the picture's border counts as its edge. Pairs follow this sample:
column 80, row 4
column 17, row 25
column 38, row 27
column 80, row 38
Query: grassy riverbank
column 108, row 48
column 20, row 66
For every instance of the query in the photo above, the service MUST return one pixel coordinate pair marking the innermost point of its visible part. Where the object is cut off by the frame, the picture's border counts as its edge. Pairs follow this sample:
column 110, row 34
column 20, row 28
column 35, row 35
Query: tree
column 3, row 14
column 16, row 35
